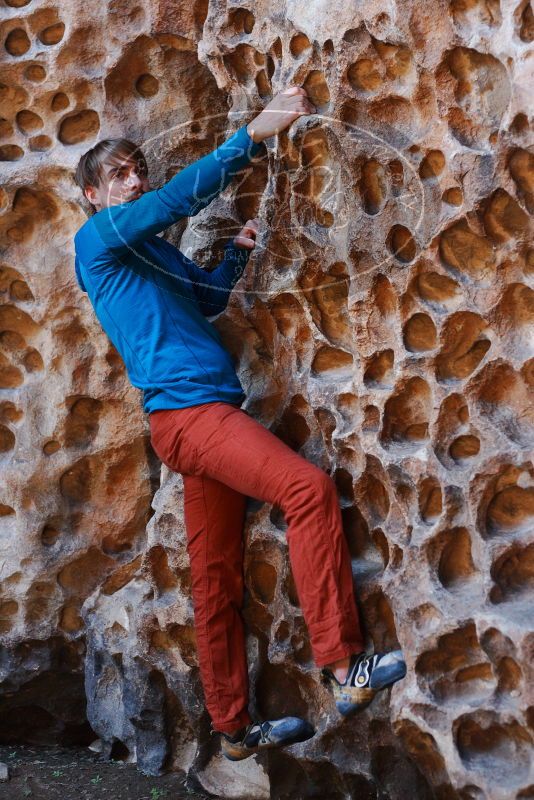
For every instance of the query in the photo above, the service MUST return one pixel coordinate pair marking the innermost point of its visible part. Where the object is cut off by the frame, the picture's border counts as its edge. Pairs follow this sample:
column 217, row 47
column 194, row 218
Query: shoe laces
column 265, row 730
column 264, row 727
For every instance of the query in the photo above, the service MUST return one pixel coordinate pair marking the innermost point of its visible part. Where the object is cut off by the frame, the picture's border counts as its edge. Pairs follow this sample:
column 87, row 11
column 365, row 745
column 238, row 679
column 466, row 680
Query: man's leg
column 214, row 516
column 222, row 442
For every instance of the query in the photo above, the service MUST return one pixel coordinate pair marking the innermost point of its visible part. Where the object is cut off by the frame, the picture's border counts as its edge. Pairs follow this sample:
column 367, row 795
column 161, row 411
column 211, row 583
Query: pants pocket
column 174, row 449
column 186, row 459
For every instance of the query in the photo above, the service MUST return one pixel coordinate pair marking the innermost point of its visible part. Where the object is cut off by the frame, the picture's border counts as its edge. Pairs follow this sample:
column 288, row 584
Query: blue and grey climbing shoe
column 367, row 675
column 258, row 736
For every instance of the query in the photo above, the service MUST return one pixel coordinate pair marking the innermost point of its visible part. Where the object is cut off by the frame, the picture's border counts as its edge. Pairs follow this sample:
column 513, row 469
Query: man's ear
column 90, row 193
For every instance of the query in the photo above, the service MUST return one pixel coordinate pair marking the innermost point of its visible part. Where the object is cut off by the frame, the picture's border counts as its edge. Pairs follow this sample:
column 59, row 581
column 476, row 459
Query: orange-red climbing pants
column 224, row 455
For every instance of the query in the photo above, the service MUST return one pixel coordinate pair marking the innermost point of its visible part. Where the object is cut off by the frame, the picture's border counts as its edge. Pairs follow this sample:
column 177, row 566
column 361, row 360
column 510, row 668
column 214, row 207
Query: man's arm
column 212, row 289
column 122, row 227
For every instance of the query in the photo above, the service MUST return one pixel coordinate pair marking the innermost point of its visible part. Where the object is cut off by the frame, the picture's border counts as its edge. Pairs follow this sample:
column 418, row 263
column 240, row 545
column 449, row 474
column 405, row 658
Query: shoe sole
column 235, row 753
column 353, row 699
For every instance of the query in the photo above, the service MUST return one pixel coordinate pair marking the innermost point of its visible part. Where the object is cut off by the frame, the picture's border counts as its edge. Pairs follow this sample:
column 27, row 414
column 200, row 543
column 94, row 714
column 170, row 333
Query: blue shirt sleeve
column 212, row 289
column 123, row 226
column 78, row 273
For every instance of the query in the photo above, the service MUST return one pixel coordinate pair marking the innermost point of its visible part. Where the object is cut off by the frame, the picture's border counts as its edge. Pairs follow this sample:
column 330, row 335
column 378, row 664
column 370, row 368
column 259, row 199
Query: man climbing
column 153, row 303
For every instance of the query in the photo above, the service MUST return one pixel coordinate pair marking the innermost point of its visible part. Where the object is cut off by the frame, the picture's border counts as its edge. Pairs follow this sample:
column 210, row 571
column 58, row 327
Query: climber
column 153, row 303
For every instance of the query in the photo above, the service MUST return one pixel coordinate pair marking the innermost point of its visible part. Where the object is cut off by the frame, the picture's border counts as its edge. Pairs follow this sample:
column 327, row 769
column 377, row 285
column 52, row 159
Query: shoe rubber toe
column 283, row 732
column 390, row 669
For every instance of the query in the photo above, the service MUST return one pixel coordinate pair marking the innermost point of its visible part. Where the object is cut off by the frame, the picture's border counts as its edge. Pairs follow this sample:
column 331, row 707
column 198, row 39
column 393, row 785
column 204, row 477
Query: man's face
column 120, row 183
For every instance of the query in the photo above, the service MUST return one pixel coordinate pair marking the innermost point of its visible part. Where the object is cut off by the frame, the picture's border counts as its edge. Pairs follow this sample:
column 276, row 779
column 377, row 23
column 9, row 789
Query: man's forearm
column 196, row 186
column 213, row 288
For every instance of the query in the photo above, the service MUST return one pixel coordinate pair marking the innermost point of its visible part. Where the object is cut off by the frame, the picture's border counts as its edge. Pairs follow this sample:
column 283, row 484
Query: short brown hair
column 113, row 152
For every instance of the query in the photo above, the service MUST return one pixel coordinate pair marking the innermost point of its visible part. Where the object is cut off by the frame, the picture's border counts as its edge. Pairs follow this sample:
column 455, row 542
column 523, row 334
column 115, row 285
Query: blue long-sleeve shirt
column 151, row 300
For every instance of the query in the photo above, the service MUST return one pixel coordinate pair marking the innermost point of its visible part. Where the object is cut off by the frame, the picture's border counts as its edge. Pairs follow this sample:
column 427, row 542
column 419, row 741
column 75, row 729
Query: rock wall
column 383, row 329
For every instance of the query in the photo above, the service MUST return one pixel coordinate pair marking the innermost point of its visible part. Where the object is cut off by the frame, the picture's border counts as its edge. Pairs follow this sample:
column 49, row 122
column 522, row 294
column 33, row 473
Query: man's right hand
column 284, row 108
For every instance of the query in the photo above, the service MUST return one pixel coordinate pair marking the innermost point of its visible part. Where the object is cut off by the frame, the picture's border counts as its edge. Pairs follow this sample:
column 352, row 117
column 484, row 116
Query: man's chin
column 116, row 201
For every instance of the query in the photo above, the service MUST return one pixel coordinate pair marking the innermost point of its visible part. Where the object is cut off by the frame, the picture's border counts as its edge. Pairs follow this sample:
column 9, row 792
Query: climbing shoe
column 258, row 736
column 367, row 675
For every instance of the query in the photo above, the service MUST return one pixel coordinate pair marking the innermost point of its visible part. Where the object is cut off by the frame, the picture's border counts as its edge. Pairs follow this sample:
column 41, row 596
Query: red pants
column 224, row 456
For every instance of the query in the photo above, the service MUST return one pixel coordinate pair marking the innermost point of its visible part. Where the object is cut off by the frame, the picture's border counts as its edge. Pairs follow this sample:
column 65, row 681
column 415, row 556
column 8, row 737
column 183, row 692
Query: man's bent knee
column 312, row 482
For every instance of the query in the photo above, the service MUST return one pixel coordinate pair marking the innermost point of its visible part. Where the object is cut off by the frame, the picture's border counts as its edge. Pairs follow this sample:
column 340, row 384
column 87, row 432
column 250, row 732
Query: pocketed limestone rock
column 382, row 329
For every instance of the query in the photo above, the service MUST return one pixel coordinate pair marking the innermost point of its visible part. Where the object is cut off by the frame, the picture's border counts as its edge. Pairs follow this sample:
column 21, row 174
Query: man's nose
column 133, row 179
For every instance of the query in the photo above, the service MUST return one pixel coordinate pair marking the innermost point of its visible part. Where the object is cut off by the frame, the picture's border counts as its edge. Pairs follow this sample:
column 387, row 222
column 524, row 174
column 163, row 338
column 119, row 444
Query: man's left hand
column 247, row 235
